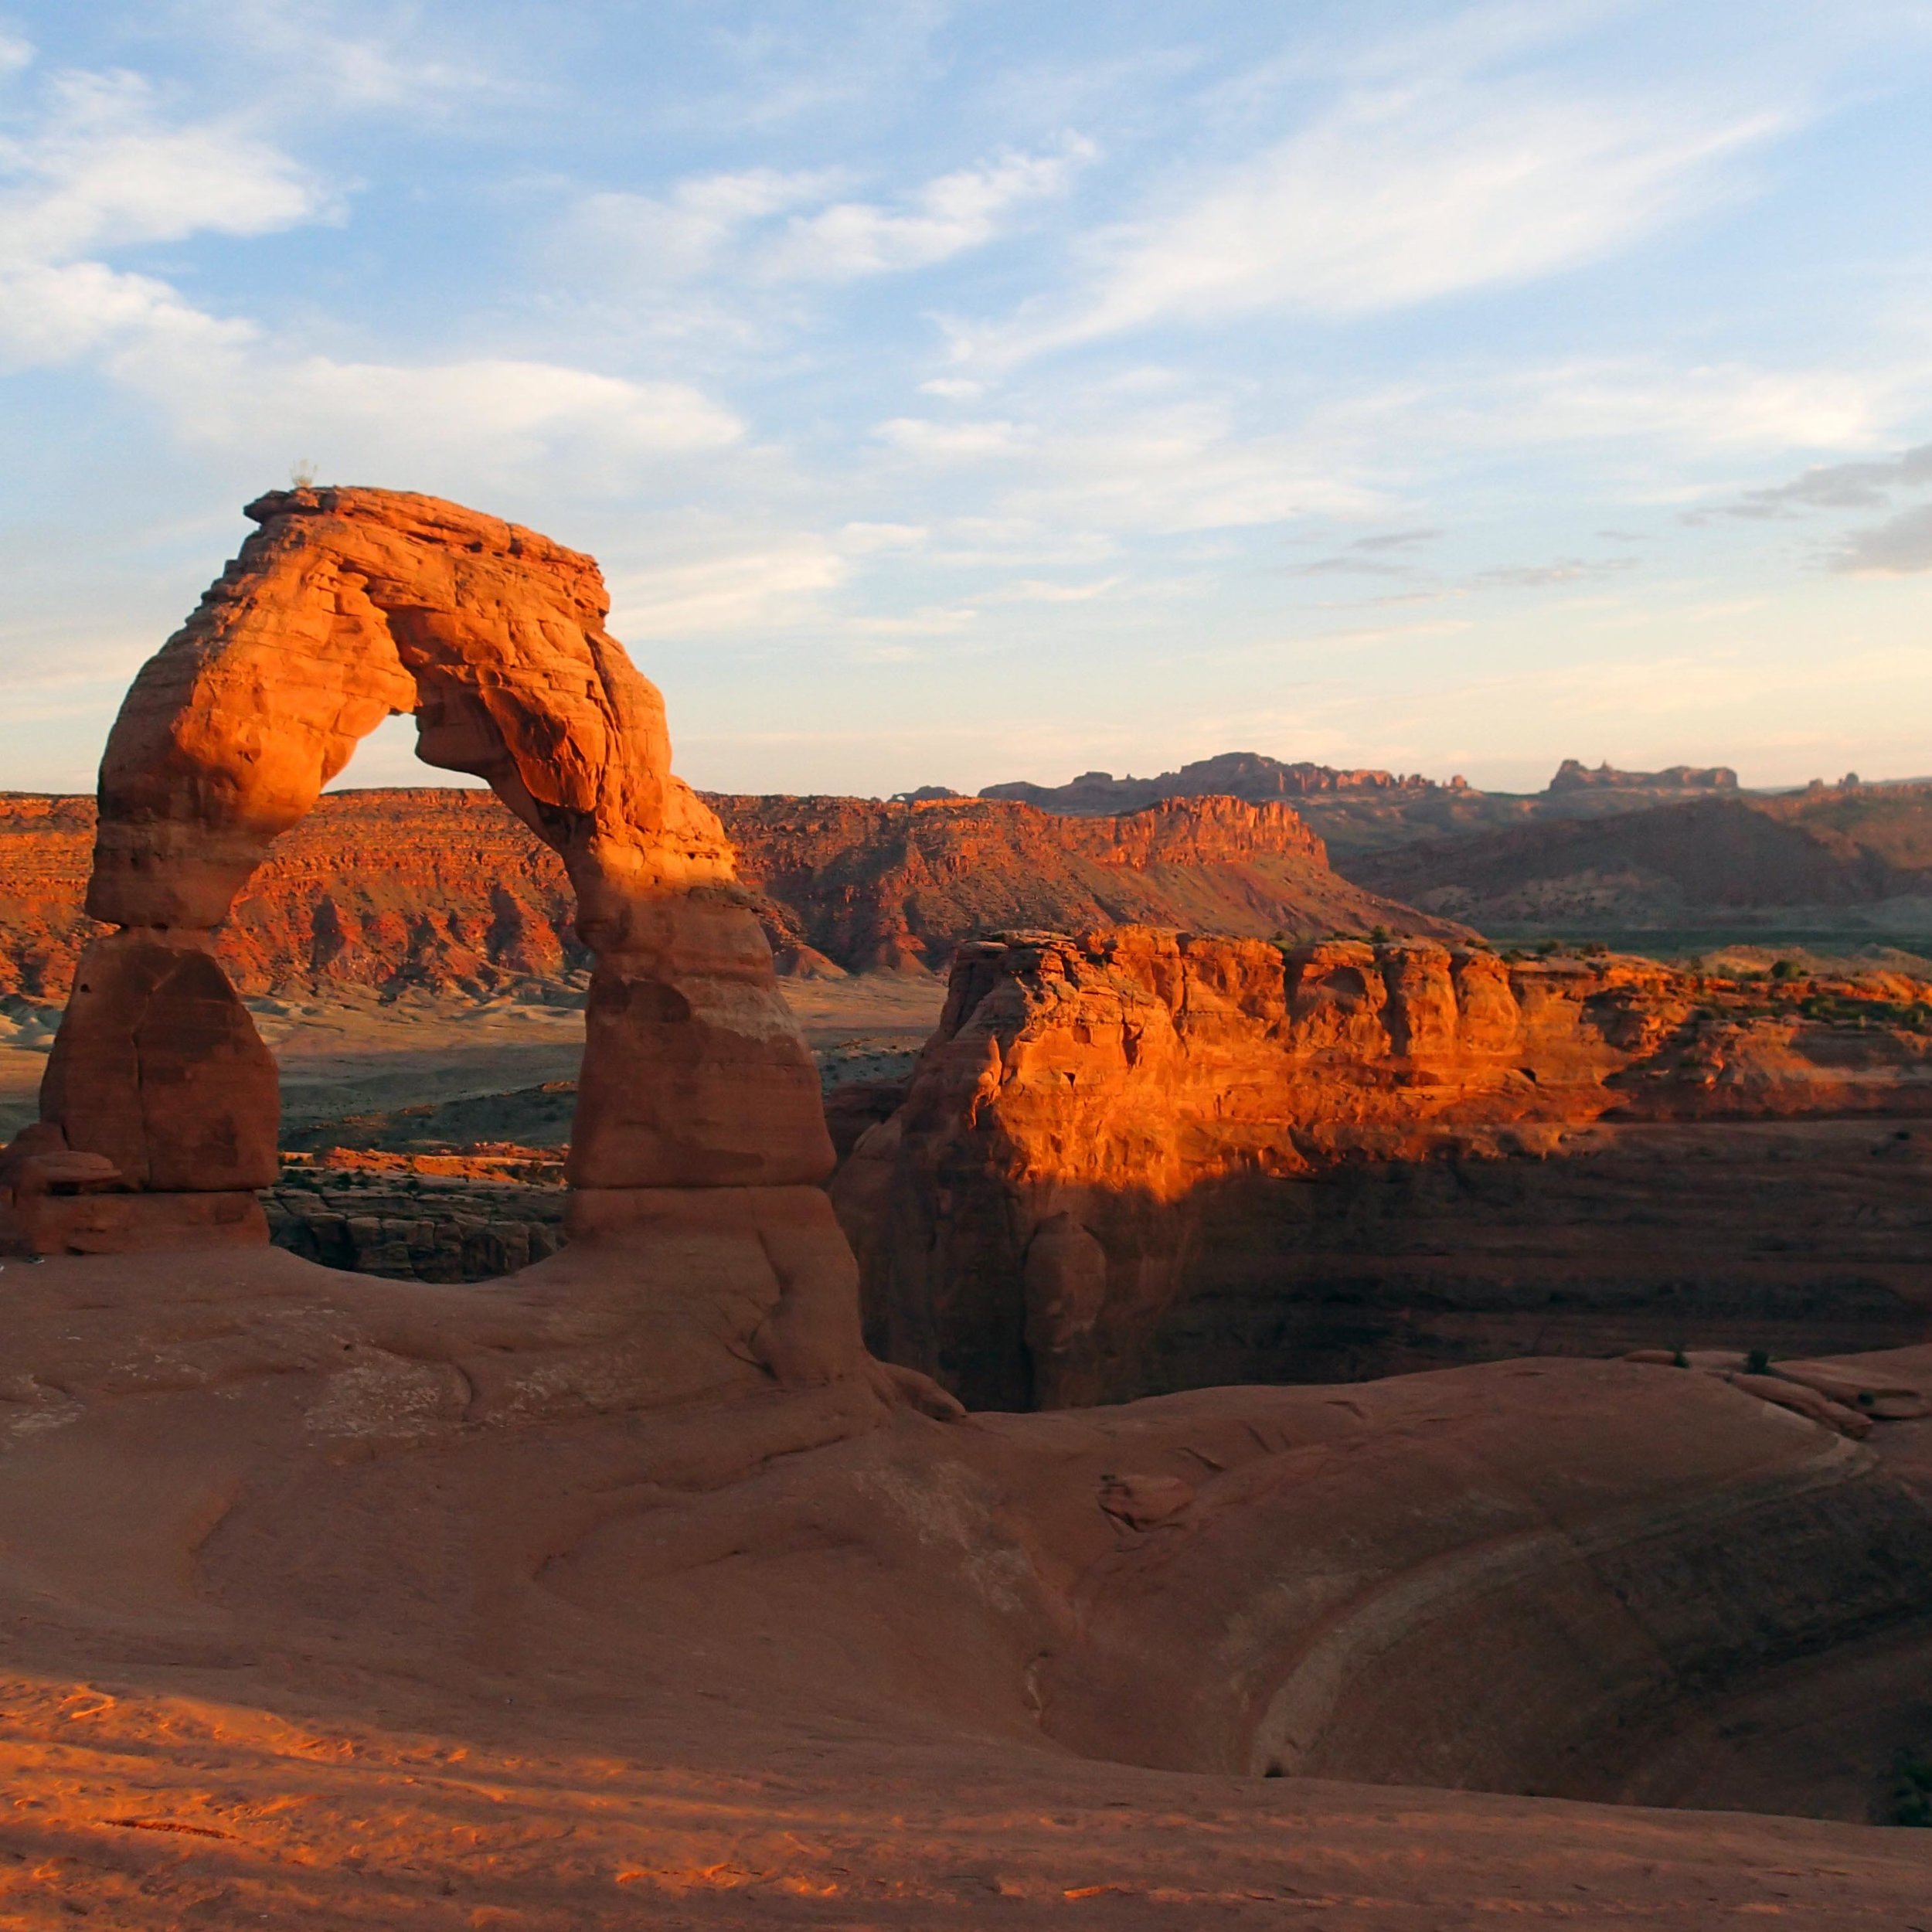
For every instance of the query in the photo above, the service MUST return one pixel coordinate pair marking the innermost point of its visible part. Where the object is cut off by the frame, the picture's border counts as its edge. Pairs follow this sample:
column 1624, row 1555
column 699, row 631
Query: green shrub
column 1912, row 1791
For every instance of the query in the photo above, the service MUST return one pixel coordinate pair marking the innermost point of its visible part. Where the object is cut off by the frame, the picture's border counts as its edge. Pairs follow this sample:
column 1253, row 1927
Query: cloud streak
column 1399, row 196
column 99, row 168
column 1900, row 546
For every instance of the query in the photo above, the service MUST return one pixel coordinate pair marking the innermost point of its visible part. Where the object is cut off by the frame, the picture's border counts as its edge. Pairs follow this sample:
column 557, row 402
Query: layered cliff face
column 1106, row 1138
column 433, row 887
column 444, row 889
column 1367, row 811
column 1835, row 859
column 895, row 885
column 46, row 847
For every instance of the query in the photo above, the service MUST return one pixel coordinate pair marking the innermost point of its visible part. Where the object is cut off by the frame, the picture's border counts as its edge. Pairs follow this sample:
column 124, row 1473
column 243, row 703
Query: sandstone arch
column 159, row 1108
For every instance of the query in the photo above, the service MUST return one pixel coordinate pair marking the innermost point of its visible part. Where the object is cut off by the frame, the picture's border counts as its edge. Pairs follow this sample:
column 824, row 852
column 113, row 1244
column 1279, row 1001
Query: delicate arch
column 347, row 606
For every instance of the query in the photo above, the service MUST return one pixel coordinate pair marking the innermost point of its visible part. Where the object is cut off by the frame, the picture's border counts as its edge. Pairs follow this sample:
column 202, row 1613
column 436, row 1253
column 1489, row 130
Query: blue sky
column 959, row 392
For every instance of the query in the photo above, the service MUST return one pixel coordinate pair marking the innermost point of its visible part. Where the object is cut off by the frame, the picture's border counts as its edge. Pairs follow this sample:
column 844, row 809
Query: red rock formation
column 446, row 890
column 1250, row 775
column 894, row 885
column 699, row 1127
column 1085, row 1135
column 1722, row 861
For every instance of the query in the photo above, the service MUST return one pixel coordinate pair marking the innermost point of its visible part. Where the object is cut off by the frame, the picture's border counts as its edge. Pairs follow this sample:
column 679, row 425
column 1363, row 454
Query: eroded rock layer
column 445, row 891
column 1143, row 1162
column 366, row 1604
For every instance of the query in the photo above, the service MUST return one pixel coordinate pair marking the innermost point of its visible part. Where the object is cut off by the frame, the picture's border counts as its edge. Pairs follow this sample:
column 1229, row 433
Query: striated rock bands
column 1099, row 1126
column 1864, row 851
column 447, row 890
column 873, row 884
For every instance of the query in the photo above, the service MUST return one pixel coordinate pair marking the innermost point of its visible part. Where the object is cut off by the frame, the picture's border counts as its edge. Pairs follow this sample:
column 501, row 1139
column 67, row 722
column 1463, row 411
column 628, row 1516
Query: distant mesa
column 1249, row 775
column 447, row 891
column 1573, row 775
column 1255, row 776
column 1854, row 859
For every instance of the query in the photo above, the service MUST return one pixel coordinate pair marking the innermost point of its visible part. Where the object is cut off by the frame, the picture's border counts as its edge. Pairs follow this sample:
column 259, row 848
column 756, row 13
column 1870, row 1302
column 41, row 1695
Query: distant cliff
column 1573, row 775
column 875, row 884
column 1368, row 810
column 443, row 890
column 1249, row 775
column 1834, row 857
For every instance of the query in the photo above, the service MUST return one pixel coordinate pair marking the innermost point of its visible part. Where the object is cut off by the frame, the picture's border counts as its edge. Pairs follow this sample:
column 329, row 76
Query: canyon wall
column 1369, row 811
column 1837, row 857
column 891, row 885
column 1142, row 1162
column 444, row 889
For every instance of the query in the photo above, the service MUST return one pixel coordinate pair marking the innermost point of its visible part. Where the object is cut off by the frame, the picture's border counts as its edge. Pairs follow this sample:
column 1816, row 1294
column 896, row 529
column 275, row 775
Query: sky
column 956, row 393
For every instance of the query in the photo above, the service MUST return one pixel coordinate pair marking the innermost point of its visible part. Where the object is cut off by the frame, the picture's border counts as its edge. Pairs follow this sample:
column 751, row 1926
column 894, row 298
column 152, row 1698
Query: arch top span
column 344, row 607
column 347, row 606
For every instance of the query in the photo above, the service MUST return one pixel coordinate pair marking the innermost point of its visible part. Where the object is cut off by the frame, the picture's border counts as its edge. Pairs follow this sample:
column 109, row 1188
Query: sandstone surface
column 359, row 1603
column 1119, row 1155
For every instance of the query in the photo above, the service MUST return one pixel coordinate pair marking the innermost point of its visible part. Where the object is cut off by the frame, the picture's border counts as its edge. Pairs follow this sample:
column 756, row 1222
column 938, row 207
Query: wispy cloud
column 1542, row 576
column 101, row 168
column 695, row 227
column 1900, row 546
column 728, row 590
column 98, row 167
column 963, row 210
column 1101, row 464
column 772, row 226
column 347, row 55
column 1840, row 486
column 1399, row 195
column 1675, row 418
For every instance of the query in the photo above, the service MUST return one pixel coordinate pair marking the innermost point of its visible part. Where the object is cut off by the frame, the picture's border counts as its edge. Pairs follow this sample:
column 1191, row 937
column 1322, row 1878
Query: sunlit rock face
column 442, row 890
column 347, row 606
column 1111, row 1142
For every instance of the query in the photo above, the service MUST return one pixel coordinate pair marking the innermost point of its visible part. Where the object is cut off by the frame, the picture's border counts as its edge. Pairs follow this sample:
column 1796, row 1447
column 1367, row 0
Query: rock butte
column 557, row 1602
column 1100, row 1129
